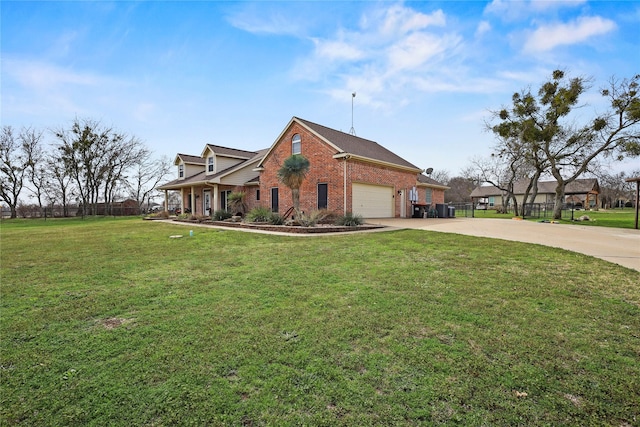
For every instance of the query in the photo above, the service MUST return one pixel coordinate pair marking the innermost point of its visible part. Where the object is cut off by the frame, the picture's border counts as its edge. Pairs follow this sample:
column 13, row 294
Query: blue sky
column 179, row 75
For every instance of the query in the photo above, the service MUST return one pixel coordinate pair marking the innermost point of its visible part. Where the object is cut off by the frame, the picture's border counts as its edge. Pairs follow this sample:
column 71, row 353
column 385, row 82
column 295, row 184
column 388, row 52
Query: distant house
column 583, row 193
column 347, row 174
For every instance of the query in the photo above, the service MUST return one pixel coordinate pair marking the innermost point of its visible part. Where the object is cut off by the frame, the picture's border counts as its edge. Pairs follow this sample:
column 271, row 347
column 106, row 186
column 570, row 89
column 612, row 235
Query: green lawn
column 620, row 218
column 111, row 322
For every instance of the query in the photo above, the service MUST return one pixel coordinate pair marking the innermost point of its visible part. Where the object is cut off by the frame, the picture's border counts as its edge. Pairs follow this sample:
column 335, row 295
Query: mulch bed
column 320, row 228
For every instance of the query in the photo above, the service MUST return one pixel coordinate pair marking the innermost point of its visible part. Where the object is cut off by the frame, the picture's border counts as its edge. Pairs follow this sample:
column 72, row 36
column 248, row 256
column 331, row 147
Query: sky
column 182, row 74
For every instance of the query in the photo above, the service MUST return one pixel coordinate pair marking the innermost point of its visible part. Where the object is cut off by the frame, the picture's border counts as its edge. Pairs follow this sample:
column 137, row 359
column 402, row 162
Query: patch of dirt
column 114, row 322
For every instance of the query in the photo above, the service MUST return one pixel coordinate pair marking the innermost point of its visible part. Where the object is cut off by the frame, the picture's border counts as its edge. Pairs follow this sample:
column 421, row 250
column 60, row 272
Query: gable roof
column 579, row 186
column 188, row 158
column 229, row 152
column 350, row 145
column 202, row 178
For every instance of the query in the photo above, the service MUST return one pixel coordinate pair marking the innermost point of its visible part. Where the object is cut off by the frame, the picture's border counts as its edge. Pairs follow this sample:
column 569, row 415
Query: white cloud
column 417, row 49
column 337, row 50
column 381, row 56
column 401, row 20
column 483, row 27
column 258, row 23
column 548, row 37
column 43, row 75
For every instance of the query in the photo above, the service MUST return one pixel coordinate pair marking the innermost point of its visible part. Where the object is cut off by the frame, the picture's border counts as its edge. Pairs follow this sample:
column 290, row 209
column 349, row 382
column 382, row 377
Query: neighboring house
column 583, row 193
column 347, row 174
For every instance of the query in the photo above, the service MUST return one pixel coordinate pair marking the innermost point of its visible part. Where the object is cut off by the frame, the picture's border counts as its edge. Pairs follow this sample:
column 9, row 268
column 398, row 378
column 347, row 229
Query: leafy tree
column 543, row 131
column 16, row 158
column 292, row 173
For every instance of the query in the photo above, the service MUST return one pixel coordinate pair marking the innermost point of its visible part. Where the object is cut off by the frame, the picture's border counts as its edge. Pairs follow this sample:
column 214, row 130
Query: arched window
column 295, row 144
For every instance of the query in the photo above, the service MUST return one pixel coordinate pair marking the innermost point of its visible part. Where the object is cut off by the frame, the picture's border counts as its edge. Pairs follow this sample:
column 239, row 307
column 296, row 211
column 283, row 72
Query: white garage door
column 372, row 201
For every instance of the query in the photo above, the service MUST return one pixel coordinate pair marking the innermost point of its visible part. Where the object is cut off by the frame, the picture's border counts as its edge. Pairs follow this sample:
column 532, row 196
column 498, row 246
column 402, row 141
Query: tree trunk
column 557, row 204
column 295, row 195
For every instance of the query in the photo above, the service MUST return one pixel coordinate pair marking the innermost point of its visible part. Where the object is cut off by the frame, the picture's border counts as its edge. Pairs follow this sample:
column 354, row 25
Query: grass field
column 111, row 322
column 620, row 218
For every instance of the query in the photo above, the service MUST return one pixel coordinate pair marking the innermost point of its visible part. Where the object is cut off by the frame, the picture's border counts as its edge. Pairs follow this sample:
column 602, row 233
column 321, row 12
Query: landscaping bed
column 319, row 228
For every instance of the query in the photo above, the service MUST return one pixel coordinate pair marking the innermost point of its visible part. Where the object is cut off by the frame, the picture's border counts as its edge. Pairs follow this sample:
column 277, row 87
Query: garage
column 372, row 201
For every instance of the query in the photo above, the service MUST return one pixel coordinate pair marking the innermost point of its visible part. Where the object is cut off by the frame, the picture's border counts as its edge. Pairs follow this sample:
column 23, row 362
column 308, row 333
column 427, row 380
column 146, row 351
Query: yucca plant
column 292, row 173
column 236, row 202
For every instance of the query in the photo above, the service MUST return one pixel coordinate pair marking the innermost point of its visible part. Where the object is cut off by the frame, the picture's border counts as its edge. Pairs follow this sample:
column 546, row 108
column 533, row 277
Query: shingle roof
column 188, row 158
column 199, row 177
column 355, row 145
column 232, row 152
column 423, row 179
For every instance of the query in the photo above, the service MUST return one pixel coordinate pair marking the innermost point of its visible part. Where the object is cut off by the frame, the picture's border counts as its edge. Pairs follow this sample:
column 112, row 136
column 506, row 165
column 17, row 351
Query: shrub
column 162, row 214
column 350, row 220
column 275, row 219
column 326, row 216
column 259, row 214
column 221, row 215
column 309, row 220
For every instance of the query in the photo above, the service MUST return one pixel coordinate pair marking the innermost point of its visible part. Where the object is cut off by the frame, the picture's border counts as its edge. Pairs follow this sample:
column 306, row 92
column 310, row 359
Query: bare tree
column 96, row 157
column 17, row 157
column 440, row 175
column 36, row 171
column 459, row 191
column 146, row 174
column 502, row 172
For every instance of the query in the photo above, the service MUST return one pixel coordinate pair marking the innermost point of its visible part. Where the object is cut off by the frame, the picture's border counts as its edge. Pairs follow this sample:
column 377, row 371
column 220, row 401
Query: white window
column 181, row 171
column 210, row 164
column 295, row 144
column 429, row 196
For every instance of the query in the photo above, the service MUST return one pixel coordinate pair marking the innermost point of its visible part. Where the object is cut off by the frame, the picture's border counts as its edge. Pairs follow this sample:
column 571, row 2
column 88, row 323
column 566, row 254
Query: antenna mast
column 352, row 131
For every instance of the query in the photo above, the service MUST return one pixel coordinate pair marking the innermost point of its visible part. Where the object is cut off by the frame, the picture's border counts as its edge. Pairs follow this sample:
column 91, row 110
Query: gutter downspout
column 344, row 174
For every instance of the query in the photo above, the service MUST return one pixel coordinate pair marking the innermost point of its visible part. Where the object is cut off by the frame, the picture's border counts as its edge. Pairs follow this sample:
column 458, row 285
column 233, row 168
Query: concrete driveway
column 617, row 245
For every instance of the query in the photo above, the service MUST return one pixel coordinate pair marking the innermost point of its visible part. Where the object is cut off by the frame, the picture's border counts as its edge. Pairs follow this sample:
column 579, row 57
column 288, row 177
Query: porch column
column 194, row 208
column 166, row 200
column 182, row 200
column 216, row 199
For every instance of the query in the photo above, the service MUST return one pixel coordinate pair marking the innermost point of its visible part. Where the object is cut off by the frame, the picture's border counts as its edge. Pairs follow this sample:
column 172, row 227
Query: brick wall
column 325, row 169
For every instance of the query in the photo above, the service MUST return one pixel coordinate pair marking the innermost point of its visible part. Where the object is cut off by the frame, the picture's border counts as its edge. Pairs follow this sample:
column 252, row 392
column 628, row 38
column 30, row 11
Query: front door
column 206, row 203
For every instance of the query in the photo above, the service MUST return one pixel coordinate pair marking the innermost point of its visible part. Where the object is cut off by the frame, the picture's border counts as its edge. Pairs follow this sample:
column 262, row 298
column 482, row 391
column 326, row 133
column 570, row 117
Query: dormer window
column 181, row 171
column 295, row 144
column 210, row 164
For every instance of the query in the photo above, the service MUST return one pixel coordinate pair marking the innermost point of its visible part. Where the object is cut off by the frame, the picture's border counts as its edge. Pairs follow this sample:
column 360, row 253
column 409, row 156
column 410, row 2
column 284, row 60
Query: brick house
column 347, row 174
